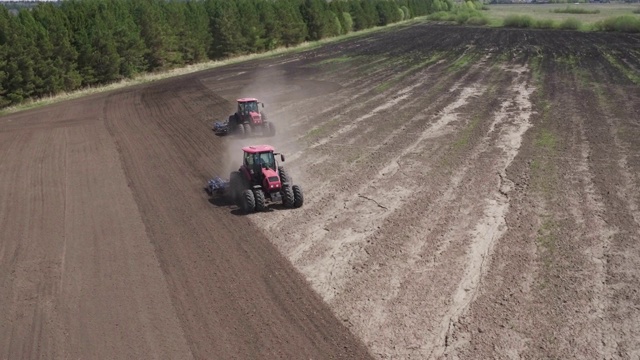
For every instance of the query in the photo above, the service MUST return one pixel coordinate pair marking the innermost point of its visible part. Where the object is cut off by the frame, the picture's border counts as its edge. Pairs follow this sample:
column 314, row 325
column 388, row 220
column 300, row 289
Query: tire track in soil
column 60, row 293
column 358, row 204
column 25, row 327
column 576, row 311
column 333, row 157
column 620, row 117
column 510, row 127
column 276, row 220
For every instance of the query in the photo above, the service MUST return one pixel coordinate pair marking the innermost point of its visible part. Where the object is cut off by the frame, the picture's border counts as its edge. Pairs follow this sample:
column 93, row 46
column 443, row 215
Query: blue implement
column 217, row 185
column 220, row 127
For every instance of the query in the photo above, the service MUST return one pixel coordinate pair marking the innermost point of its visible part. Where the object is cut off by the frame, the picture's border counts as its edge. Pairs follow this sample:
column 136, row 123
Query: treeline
column 78, row 43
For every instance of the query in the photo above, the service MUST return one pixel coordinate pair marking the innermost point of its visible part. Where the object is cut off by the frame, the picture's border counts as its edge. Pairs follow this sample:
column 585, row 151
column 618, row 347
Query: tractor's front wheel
column 284, row 176
column 248, row 202
column 241, row 131
column 288, row 198
column 260, row 201
column 298, row 198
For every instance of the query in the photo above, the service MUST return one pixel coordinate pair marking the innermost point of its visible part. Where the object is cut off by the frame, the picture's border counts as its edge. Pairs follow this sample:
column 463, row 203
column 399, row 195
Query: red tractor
column 248, row 120
column 260, row 181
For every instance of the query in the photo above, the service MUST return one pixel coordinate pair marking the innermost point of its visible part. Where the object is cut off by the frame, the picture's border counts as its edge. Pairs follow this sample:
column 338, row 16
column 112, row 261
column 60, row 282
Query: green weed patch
column 629, row 73
column 462, row 62
column 575, row 10
column 625, row 23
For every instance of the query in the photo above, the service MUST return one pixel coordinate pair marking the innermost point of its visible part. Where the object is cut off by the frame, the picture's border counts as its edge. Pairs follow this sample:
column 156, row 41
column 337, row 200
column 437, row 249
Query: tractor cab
column 256, row 161
column 260, row 166
column 259, row 181
column 248, row 111
column 248, row 105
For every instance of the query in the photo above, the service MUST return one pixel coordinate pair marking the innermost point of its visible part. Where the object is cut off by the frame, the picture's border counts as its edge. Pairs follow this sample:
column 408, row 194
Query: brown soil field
column 470, row 193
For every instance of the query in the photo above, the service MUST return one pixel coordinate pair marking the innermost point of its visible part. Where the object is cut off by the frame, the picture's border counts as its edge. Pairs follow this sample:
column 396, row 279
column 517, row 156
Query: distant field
column 544, row 11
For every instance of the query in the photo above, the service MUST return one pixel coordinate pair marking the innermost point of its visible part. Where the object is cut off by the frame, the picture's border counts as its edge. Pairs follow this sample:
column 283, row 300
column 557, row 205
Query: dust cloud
column 275, row 89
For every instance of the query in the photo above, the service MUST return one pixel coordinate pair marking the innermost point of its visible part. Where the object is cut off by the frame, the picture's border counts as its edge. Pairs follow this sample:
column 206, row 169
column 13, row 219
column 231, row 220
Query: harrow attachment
column 221, row 128
column 217, row 185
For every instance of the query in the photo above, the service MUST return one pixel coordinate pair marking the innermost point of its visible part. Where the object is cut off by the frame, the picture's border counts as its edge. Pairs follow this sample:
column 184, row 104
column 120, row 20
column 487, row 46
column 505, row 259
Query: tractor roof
column 258, row 149
column 242, row 100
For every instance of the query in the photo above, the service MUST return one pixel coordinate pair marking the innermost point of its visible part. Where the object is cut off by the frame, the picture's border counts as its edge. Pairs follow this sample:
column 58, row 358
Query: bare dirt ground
column 469, row 193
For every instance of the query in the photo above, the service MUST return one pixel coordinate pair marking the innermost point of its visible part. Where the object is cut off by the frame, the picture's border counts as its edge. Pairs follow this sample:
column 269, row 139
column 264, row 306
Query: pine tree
column 251, row 28
column 129, row 44
column 359, row 17
column 225, row 28
column 272, row 37
column 176, row 36
column 81, row 16
column 62, row 56
column 294, row 29
column 313, row 15
column 149, row 17
column 369, row 13
column 4, row 34
column 198, row 38
column 105, row 59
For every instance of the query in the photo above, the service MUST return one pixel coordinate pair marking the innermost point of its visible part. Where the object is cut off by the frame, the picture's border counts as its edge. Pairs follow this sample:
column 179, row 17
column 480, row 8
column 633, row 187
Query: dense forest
column 51, row 48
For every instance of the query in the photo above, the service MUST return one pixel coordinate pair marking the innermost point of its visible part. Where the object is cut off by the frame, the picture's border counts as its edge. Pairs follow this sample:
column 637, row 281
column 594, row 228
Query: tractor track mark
column 315, row 236
column 510, row 128
column 321, row 232
column 620, row 263
column 421, row 255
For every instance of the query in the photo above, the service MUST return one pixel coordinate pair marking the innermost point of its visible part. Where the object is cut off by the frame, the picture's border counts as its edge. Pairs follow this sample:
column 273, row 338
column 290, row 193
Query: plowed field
column 469, row 193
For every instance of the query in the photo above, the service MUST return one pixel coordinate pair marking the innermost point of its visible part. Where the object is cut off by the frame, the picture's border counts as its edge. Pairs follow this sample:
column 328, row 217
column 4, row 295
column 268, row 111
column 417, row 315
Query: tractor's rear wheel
column 248, row 201
column 260, row 201
column 284, row 176
column 241, row 131
column 288, row 197
column 298, row 198
column 247, row 130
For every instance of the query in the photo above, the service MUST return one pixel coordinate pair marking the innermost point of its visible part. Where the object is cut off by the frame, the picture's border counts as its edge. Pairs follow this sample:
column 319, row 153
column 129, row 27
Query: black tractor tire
column 261, row 204
column 241, row 131
column 247, row 130
column 288, row 197
column 263, row 115
column 284, row 176
column 248, row 202
column 298, row 198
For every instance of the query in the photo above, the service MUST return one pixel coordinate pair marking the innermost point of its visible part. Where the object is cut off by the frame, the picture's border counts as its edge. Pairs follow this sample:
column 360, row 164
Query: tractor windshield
column 249, row 106
column 266, row 160
column 260, row 160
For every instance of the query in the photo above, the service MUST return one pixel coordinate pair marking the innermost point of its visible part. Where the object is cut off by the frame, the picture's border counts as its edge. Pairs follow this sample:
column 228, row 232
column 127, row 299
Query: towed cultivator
column 259, row 182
